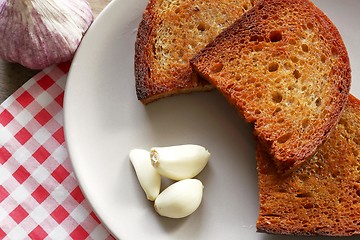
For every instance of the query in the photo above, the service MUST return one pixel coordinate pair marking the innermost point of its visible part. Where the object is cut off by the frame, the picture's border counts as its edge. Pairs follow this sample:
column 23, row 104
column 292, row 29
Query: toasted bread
column 323, row 195
column 170, row 33
column 285, row 68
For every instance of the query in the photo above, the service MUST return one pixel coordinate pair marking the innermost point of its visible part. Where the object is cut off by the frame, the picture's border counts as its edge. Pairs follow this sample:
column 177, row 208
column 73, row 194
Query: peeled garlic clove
column 180, row 199
column 148, row 177
column 37, row 33
column 179, row 162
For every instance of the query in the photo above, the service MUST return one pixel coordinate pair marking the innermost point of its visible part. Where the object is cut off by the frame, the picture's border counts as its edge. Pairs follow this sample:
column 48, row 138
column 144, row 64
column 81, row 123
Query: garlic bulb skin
column 180, row 199
column 179, row 162
column 38, row 33
column 148, row 177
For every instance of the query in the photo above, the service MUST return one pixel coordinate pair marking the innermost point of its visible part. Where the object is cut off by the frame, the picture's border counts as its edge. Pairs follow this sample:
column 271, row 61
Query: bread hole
column 275, row 36
column 245, row 7
column 276, row 110
column 281, row 120
column 296, row 74
column 292, row 41
column 350, row 231
column 357, row 188
column 257, row 111
column 265, row 16
column 217, row 67
column 256, row 38
column 253, row 38
column 356, row 140
column 291, row 87
column 323, row 58
column 304, row 177
column 273, row 67
column 276, row 97
column 230, row 86
column 341, row 89
column 303, row 195
column 309, row 206
column 310, row 26
column 232, row 59
column 303, row 88
column 334, row 174
column 284, row 138
column 304, row 221
column 318, row 102
column 282, row 190
column 294, row 59
column 177, row 10
column 305, row 48
column 259, row 95
column 202, row 26
column 305, row 123
column 251, row 80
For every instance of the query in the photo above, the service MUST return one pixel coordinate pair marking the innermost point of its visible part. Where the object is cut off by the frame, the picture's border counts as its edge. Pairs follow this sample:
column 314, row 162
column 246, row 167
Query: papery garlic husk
column 40, row 33
column 148, row 177
column 179, row 162
column 180, row 199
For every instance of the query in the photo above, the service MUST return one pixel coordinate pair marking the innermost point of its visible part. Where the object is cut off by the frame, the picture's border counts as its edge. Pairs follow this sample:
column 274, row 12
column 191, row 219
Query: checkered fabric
column 39, row 195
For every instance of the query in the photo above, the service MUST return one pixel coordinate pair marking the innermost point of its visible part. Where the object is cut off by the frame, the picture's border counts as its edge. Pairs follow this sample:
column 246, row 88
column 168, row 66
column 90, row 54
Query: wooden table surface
column 13, row 75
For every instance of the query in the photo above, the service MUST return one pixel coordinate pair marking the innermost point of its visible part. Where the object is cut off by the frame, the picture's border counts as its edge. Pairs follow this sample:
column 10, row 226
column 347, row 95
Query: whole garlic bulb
column 39, row 33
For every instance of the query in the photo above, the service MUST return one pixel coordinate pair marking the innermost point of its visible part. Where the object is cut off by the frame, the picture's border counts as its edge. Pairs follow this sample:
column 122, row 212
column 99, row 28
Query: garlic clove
column 179, row 162
column 180, row 199
column 148, row 177
column 38, row 33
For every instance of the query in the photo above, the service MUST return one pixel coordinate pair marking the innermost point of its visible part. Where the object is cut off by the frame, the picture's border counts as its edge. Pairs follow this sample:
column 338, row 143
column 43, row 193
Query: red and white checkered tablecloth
column 39, row 195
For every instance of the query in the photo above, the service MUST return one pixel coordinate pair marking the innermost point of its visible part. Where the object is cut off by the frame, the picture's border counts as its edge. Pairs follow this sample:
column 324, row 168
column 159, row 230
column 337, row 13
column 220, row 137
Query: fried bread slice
column 170, row 33
column 285, row 68
column 321, row 197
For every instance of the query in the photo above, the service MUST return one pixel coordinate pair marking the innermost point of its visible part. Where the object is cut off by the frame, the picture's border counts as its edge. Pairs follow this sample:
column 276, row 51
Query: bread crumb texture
column 284, row 66
column 322, row 196
column 170, row 34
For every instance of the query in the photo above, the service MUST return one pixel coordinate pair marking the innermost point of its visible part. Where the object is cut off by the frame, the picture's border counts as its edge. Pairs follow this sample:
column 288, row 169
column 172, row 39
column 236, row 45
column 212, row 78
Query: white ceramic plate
column 104, row 121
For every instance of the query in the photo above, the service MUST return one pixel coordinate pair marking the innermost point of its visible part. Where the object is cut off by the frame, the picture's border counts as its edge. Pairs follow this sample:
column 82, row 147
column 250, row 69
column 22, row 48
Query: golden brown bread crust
column 322, row 197
column 148, row 88
column 285, row 68
column 170, row 33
